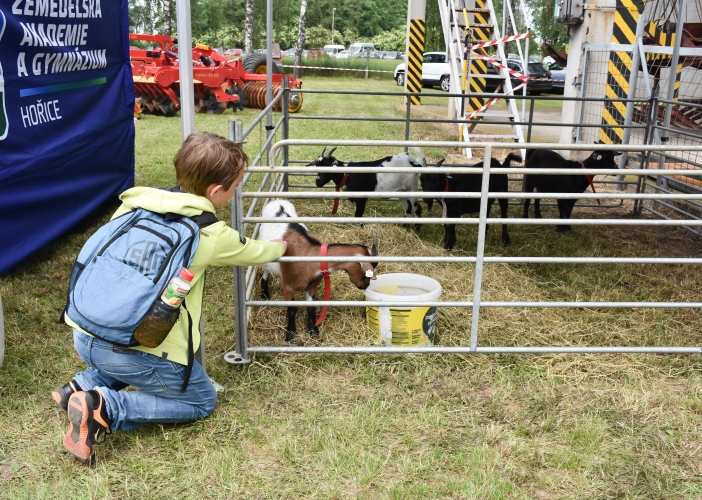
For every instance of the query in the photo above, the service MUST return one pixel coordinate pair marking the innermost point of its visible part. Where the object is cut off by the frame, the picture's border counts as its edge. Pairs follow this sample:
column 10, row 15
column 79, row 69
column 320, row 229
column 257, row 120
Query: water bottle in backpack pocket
column 165, row 311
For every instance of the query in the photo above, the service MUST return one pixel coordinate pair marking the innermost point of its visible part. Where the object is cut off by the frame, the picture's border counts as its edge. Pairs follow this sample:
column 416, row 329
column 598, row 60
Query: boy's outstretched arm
column 232, row 249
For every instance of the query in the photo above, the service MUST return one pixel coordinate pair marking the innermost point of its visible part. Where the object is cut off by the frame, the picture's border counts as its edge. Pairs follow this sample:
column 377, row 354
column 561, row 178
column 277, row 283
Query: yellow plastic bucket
column 414, row 325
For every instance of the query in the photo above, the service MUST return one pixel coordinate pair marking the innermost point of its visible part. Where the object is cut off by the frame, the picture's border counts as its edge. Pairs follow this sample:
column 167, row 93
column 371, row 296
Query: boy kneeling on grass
column 208, row 170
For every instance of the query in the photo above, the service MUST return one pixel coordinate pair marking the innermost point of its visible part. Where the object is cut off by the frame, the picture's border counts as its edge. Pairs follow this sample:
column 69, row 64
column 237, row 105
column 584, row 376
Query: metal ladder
column 470, row 22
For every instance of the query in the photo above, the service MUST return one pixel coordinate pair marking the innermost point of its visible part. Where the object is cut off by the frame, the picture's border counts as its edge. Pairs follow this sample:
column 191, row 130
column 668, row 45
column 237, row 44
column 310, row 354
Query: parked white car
column 435, row 71
column 344, row 54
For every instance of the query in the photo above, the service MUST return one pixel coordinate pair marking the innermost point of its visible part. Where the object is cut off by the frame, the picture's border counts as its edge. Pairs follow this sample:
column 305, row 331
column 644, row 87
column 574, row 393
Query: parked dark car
column 543, row 82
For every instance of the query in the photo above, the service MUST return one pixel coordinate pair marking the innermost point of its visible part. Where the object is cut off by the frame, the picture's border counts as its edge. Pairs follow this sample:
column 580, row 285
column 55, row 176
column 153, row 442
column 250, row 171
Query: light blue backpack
column 125, row 266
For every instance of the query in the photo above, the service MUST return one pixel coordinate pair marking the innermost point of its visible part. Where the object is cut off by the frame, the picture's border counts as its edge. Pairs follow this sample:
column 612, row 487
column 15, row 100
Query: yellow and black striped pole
column 664, row 38
column 477, row 66
column 619, row 69
column 416, row 30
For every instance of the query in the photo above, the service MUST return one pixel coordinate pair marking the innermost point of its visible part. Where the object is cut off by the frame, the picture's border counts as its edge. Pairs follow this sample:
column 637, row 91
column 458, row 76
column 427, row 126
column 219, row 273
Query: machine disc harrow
column 256, row 97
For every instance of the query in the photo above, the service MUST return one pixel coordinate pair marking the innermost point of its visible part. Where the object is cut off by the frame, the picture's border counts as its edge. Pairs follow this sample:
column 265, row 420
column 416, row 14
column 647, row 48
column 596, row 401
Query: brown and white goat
column 307, row 276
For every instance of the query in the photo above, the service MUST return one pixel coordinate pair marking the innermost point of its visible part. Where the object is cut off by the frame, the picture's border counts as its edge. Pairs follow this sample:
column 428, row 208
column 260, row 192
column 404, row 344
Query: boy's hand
column 282, row 242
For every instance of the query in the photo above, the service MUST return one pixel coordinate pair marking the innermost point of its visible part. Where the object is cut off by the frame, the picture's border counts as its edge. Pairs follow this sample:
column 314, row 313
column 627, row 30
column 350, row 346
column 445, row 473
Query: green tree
column 390, row 40
column 545, row 28
column 317, row 37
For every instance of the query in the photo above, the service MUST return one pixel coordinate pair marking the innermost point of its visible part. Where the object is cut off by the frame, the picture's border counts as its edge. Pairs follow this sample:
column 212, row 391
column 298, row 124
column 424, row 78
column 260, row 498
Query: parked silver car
column 559, row 74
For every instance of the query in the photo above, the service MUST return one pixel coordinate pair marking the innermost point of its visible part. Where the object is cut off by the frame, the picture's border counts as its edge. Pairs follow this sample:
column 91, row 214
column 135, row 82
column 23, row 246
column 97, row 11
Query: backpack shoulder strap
column 204, row 219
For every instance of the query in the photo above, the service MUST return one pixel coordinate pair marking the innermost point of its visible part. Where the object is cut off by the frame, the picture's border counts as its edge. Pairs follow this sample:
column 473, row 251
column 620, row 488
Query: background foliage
column 220, row 23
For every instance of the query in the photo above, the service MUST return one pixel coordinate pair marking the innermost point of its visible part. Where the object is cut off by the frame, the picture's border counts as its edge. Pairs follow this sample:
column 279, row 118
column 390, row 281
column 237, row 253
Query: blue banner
column 66, row 117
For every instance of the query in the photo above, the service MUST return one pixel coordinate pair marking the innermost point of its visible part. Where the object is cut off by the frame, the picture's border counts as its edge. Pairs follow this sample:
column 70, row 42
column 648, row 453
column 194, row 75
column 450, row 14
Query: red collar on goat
column 589, row 179
column 338, row 188
column 441, row 200
column 324, row 266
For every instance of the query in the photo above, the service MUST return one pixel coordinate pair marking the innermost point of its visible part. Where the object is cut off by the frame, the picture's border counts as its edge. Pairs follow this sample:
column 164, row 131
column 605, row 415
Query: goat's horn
column 330, row 152
column 374, row 248
column 322, row 153
column 440, row 162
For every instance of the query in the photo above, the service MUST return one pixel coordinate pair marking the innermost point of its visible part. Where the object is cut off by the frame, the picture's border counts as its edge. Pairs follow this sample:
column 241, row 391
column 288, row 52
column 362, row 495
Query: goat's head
column 326, row 161
column 601, row 159
column 432, row 183
column 362, row 274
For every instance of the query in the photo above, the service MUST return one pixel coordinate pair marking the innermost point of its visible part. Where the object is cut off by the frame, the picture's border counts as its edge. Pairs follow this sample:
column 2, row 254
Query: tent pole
column 185, row 65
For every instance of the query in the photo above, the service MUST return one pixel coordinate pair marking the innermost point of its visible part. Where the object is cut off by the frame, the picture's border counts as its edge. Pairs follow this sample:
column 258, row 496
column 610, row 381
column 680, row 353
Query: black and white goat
column 467, row 183
column 561, row 183
column 306, row 276
column 354, row 182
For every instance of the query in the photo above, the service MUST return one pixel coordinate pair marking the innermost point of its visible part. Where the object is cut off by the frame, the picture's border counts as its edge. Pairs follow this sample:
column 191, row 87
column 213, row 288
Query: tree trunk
column 248, row 36
column 167, row 18
column 302, row 34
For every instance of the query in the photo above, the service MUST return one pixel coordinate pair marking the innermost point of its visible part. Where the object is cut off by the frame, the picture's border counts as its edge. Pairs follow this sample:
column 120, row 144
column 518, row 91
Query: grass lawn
column 399, row 426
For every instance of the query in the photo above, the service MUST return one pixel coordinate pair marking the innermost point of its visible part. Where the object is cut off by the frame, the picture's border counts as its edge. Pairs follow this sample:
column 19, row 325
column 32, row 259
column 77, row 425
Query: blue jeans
column 160, row 381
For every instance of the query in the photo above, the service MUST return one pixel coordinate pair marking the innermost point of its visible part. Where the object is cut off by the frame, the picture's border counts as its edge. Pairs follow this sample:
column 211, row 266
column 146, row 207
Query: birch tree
column 167, row 17
column 248, row 36
column 301, row 35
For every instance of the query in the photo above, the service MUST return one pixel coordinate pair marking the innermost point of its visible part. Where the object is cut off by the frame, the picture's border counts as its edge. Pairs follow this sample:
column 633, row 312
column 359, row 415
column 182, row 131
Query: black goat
column 560, row 183
column 354, row 182
column 467, row 183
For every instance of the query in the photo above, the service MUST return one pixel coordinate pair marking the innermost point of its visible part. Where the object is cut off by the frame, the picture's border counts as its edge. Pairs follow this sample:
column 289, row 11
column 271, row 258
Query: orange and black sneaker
column 62, row 394
column 88, row 416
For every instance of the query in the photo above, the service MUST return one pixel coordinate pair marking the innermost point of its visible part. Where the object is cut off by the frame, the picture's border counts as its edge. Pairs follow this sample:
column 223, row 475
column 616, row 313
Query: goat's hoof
column 314, row 331
column 506, row 241
column 290, row 337
column 264, row 296
column 563, row 229
column 418, row 227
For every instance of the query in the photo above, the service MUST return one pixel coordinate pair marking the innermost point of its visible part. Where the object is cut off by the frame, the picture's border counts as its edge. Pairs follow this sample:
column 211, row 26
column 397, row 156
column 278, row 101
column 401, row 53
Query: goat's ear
column 368, row 270
column 374, row 248
column 330, row 152
column 599, row 142
column 440, row 162
column 617, row 153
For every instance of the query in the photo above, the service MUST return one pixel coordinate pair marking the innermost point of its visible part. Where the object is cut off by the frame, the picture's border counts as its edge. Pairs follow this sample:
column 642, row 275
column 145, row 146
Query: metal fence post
column 480, row 250
column 578, row 131
column 646, row 157
column 240, row 355
column 286, row 125
column 407, row 120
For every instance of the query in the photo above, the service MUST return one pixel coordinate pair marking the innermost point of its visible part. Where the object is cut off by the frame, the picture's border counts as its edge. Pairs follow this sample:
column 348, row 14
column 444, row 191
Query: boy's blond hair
column 206, row 159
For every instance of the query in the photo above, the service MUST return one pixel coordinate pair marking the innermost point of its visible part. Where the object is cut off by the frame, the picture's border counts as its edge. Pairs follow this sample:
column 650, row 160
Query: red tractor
column 219, row 82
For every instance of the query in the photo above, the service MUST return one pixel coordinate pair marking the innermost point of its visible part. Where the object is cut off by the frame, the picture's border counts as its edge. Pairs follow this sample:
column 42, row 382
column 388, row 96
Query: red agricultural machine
column 219, row 82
